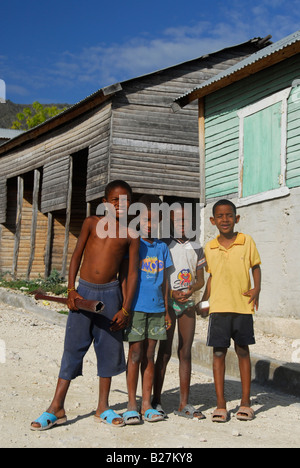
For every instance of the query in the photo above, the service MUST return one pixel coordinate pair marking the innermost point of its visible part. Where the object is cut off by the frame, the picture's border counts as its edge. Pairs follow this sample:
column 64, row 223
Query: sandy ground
column 30, row 356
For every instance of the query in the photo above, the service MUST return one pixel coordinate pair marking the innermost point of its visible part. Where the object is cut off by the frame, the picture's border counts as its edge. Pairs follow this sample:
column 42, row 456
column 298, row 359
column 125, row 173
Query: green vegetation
column 54, row 284
column 30, row 118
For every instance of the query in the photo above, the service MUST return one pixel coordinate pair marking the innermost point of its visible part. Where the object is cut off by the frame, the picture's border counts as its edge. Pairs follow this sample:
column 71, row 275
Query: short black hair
column 224, row 202
column 117, row 183
column 148, row 200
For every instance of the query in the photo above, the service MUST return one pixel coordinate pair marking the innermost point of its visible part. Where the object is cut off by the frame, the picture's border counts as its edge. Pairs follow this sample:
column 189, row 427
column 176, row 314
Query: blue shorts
column 84, row 328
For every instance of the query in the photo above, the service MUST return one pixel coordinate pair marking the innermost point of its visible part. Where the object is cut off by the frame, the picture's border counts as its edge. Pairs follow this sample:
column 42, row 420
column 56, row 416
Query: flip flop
column 245, row 414
column 189, row 412
column 220, row 416
column 148, row 416
column 108, row 416
column 131, row 418
column 46, row 421
column 159, row 408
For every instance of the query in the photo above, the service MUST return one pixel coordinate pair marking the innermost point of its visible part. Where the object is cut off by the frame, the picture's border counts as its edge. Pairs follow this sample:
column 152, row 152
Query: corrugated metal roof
column 261, row 54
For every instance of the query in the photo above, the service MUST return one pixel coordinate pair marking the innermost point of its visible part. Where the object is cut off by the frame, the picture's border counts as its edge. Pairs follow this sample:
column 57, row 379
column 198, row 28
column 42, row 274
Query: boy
column 102, row 258
column 232, row 301
column 149, row 315
column 185, row 277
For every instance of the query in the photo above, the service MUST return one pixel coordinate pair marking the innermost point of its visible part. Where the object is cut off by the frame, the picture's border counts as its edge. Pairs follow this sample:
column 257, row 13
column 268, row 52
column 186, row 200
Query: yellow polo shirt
column 230, row 273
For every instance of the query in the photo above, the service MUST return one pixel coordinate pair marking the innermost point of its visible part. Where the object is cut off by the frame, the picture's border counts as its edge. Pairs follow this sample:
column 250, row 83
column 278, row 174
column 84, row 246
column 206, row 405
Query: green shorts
column 180, row 308
column 145, row 325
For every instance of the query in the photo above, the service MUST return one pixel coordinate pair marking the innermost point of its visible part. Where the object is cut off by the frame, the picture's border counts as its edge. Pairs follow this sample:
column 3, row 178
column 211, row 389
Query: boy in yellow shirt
column 232, row 301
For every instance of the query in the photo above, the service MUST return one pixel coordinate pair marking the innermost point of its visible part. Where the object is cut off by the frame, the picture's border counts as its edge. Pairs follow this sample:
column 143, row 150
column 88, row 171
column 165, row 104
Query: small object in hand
column 202, row 309
column 168, row 323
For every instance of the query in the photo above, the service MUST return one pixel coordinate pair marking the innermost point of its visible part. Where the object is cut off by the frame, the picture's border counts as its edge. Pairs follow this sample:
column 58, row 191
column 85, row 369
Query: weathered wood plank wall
column 154, row 149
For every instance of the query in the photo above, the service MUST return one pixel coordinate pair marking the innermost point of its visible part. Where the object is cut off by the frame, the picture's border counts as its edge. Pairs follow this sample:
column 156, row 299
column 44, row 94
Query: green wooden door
column 262, row 150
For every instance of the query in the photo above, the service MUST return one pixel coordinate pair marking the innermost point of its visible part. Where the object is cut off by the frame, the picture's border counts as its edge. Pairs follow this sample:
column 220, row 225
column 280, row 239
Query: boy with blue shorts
column 103, row 252
column 150, row 318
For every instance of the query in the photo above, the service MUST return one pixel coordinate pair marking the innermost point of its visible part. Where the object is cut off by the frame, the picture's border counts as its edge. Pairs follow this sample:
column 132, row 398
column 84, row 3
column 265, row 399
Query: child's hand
column 119, row 321
column 179, row 296
column 187, row 294
column 254, row 297
column 71, row 299
column 168, row 322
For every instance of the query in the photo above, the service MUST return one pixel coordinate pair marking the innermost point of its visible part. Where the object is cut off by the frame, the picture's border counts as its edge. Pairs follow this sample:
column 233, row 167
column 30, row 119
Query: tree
column 30, row 118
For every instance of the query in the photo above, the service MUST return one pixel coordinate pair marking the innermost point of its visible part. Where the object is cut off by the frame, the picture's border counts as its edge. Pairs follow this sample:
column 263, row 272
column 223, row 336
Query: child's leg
column 147, row 370
column 135, row 356
column 243, row 354
column 219, row 355
column 103, row 403
column 77, row 342
column 163, row 357
column 186, row 333
column 57, row 405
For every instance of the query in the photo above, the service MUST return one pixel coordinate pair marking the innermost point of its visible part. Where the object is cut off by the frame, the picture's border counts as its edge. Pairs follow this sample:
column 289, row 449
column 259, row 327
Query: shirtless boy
column 101, row 265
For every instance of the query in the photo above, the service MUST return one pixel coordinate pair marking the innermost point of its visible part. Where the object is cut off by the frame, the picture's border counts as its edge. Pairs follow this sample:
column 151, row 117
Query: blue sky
column 63, row 51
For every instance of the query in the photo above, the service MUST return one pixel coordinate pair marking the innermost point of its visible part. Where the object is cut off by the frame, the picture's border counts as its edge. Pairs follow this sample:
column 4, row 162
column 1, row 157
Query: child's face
column 181, row 223
column 120, row 199
column 148, row 224
column 225, row 219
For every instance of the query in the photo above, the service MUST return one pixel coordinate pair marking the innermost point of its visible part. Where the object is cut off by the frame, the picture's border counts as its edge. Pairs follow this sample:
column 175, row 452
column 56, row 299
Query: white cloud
column 102, row 65
column 81, row 72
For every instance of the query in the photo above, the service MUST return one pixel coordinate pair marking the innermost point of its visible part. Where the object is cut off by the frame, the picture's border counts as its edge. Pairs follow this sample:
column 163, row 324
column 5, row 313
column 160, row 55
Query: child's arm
column 123, row 276
column 166, row 296
column 132, row 276
column 75, row 264
column 206, row 294
column 254, row 293
column 196, row 286
column 128, row 278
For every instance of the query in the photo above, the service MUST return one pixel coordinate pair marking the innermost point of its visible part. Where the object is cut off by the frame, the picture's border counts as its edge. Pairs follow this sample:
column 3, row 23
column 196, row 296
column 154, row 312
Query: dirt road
column 29, row 363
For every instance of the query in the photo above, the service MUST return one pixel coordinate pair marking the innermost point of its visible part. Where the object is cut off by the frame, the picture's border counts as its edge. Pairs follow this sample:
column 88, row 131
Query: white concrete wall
column 275, row 228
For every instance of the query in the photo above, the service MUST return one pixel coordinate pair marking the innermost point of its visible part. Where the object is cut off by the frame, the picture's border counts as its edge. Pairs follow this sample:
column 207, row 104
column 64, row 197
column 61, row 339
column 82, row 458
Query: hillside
column 9, row 111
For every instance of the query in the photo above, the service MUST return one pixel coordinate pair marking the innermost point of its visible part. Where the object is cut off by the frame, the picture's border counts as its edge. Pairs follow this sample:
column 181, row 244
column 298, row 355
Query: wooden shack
column 53, row 176
column 249, row 119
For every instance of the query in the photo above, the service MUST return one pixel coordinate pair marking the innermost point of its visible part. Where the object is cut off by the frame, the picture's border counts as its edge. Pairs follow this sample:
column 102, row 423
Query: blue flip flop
column 131, row 418
column 148, row 416
column 46, row 421
column 108, row 416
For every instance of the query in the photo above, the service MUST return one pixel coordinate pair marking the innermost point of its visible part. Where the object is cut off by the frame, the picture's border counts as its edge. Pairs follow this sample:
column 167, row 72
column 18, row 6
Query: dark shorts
column 226, row 326
column 84, row 328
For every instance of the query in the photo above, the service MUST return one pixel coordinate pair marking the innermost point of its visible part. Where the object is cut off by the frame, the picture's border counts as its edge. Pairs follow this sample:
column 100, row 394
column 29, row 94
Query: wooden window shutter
column 55, row 185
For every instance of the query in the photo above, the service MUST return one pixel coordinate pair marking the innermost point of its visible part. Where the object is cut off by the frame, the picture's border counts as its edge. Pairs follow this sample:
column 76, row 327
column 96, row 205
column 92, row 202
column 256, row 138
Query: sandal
column 131, row 418
column 152, row 415
column 159, row 408
column 220, row 416
column 245, row 414
column 190, row 412
column 46, row 421
column 108, row 416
